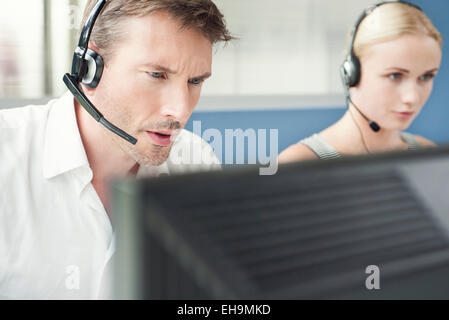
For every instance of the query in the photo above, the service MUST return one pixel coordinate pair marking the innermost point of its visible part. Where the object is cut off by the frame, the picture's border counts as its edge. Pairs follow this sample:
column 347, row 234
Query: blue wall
column 433, row 120
column 294, row 125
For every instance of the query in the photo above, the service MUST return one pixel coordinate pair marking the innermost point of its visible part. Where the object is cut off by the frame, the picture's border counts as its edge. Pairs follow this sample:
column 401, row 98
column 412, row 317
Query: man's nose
column 177, row 104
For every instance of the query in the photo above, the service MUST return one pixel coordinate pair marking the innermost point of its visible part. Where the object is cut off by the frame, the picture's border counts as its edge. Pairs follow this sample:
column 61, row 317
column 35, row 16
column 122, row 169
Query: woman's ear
column 355, row 92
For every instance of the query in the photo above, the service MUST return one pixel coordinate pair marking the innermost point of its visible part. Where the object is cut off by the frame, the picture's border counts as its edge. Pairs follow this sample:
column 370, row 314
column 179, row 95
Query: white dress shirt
column 55, row 235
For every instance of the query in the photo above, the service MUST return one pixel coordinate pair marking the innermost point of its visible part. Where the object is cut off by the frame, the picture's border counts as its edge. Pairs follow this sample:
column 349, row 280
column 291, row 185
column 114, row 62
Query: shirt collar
column 63, row 150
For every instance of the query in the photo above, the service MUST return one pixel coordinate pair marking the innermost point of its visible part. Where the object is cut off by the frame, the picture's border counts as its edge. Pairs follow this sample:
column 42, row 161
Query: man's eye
column 395, row 76
column 157, row 75
column 196, row 81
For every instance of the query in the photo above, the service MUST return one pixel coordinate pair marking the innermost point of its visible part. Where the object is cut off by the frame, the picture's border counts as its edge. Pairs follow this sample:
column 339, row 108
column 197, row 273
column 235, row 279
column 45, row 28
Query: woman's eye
column 157, row 75
column 395, row 76
column 427, row 76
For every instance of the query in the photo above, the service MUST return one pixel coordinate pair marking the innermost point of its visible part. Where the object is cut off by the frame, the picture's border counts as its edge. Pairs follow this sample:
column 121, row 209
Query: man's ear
column 95, row 70
column 89, row 92
column 93, row 47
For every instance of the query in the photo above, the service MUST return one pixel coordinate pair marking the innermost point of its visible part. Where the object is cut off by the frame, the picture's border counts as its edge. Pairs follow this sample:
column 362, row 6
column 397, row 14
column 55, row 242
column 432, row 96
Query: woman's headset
column 351, row 68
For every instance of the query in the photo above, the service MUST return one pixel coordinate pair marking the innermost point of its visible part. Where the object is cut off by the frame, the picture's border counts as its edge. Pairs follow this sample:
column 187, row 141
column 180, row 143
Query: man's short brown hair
column 202, row 15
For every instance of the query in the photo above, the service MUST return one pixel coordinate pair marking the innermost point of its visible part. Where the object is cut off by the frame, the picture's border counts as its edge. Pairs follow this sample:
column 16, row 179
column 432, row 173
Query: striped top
column 325, row 151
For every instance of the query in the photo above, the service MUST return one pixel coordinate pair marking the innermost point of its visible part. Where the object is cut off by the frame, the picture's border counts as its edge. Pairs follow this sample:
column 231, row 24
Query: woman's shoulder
column 424, row 141
column 296, row 152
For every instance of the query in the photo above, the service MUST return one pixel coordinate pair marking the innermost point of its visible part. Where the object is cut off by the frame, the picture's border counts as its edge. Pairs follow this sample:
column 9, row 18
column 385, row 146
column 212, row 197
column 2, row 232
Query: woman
column 393, row 56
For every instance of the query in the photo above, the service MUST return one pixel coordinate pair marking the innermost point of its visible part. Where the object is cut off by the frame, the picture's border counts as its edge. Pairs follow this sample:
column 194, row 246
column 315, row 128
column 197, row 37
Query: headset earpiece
column 351, row 71
column 87, row 68
column 94, row 69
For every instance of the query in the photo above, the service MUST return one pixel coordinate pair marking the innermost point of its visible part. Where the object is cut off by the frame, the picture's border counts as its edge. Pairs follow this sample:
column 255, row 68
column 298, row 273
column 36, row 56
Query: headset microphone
column 373, row 125
column 87, row 67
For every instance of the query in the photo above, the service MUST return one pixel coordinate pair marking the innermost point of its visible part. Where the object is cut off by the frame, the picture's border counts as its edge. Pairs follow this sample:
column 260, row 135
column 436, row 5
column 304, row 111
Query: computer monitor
column 372, row 227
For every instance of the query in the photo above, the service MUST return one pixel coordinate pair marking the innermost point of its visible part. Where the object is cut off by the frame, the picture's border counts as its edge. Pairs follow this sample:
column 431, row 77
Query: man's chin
column 152, row 163
column 154, row 157
column 146, row 154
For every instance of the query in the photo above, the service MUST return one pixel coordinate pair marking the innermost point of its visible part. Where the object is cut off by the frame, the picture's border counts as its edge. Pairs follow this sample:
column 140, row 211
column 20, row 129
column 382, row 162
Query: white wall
column 286, row 47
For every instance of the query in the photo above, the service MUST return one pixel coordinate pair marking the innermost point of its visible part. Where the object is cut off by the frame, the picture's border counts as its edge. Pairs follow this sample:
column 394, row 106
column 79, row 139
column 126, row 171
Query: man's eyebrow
column 162, row 68
column 159, row 67
column 203, row 76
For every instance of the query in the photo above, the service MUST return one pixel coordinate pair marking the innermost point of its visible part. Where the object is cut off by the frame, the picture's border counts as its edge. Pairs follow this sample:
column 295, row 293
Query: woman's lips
column 161, row 139
column 403, row 115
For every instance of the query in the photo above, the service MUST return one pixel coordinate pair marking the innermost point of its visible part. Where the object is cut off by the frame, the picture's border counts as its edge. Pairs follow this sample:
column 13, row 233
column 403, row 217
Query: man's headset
column 350, row 70
column 87, row 68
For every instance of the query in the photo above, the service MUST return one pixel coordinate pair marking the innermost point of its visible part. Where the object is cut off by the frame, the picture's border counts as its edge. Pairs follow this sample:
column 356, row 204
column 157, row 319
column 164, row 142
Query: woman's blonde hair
column 389, row 21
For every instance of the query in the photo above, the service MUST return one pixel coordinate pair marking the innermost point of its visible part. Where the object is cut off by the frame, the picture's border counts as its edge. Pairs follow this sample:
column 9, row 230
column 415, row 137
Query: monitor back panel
column 310, row 231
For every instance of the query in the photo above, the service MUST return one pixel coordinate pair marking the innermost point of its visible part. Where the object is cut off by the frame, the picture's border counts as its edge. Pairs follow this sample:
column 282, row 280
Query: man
column 56, row 236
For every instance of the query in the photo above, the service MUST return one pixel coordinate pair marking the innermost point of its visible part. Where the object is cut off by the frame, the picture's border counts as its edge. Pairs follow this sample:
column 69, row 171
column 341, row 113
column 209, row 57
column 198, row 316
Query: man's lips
column 161, row 138
column 163, row 132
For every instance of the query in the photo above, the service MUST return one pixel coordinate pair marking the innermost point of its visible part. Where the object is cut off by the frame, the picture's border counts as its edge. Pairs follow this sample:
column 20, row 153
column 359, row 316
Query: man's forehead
column 157, row 39
column 159, row 21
